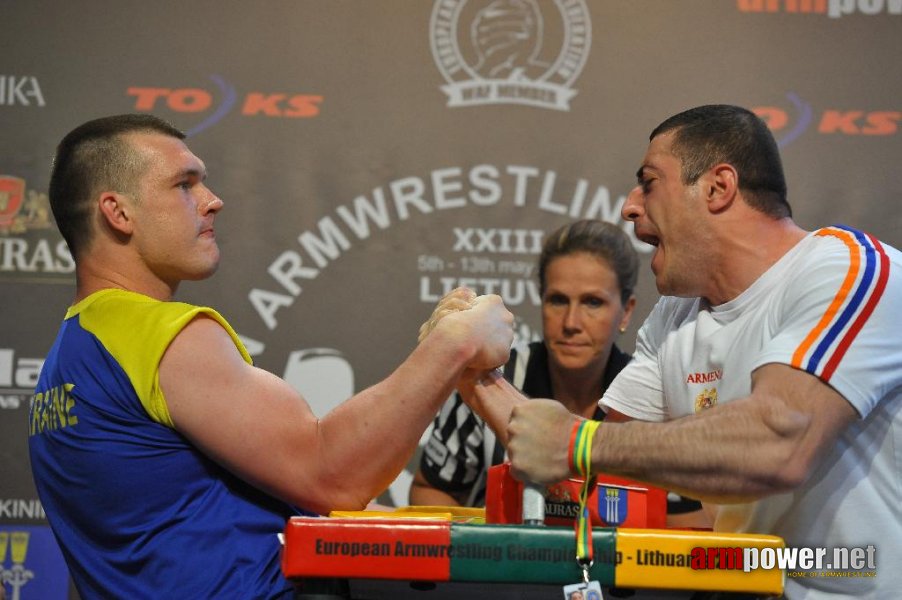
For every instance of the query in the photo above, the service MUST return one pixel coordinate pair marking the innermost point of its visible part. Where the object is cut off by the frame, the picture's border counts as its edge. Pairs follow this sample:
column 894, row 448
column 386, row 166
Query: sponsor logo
column 31, row 564
column 510, row 51
column 20, row 91
column 788, row 123
column 558, row 492
column 799, row 562
column 706, row 399
column 563, row 510
column 17, row 575
column 21, row 509
column 18, row 376
column 29, row 244
column 831, row 8
column 12, row 192
column 559, row 502
column 213, row 104
column 19, row 211
column 860, row 122
column 612, row 504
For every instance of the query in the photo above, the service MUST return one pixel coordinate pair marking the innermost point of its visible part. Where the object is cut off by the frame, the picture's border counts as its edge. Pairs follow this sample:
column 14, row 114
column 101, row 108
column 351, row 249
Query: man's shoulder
column 838, row 258
column 115, row 312
column 845, row 241
column 116, row 301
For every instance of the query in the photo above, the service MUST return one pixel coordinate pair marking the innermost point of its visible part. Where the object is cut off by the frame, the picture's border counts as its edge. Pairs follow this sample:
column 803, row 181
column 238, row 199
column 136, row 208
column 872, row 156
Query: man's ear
column 628, row 309
column 721, row 187
column 115, row 211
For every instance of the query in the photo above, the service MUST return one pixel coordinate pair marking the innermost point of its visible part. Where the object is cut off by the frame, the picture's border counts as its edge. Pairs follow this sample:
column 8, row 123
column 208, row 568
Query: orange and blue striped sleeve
column 863, row 285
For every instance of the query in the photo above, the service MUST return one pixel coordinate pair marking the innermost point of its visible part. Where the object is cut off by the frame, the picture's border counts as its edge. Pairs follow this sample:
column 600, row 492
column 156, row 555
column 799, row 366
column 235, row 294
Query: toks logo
column 789, row 124
column 198, row 100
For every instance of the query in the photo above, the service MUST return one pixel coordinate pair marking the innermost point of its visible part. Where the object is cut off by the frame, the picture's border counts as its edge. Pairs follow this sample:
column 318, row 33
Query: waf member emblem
column 707, row 399
column 18, row 211
column 612, row 504
column 510, row 51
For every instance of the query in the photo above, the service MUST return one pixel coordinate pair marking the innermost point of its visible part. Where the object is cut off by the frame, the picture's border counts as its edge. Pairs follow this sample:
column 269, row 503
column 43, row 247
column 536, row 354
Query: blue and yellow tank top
column 138, row 511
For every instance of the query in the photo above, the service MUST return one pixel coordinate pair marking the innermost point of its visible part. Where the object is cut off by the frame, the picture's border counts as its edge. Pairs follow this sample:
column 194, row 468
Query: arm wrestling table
column 433, row 553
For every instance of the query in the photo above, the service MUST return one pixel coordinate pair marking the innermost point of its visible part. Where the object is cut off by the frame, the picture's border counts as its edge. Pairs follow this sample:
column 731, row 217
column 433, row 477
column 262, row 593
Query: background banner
column 374, row 155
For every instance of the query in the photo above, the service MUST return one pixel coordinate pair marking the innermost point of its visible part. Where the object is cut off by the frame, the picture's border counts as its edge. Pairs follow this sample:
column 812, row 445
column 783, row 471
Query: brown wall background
column 372, row 155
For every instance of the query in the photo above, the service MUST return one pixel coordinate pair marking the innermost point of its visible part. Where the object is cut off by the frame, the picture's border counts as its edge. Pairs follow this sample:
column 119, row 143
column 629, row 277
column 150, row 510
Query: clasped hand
column 482, row 320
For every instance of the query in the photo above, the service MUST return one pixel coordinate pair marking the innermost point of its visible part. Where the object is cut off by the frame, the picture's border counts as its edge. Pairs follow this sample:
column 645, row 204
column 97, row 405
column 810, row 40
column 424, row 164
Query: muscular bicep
column 801, row 409
column 242, row 417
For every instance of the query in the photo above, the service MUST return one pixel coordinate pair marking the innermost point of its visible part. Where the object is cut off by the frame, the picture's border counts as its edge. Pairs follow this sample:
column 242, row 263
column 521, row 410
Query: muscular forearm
column 373, row 434
column 762, row 444
column 765, row 443
column 724, row 455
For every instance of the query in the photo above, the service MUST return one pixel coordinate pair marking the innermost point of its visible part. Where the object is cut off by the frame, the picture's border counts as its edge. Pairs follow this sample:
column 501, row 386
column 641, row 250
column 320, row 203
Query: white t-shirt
column 831, row 306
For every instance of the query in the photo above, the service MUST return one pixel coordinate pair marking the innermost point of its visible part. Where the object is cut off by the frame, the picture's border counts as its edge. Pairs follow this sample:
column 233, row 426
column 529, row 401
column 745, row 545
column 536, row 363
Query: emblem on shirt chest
column 706, row 399
column 707, row 377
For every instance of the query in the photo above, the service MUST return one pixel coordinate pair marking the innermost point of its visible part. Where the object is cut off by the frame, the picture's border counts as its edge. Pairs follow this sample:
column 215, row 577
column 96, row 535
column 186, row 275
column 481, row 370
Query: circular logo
column 510, row 51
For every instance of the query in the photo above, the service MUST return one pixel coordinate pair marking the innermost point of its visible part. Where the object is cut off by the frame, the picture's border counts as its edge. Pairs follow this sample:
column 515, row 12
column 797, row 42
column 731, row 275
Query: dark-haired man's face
column 174, row 210
column 672, row 217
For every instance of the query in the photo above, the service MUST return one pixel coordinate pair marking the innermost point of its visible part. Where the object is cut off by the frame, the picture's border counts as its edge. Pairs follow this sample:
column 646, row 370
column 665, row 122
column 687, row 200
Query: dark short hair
column 600, row 239
column 719, row 133
column 92, row 156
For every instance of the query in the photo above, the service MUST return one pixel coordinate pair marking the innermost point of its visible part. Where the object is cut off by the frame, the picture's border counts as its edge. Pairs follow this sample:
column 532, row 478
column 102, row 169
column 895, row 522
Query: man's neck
column 93, row 276
column 747, row 253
